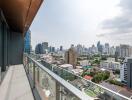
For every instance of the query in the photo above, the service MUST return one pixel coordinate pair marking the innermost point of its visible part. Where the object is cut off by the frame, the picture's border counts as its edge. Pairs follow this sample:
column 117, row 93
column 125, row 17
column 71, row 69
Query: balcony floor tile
column 15, row 85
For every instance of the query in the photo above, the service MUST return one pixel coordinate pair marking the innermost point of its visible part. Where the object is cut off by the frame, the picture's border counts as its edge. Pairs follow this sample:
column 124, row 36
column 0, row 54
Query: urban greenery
column 103, row 57
column 101, row 76
column 97, row 76
column 88, row 73
column 115, row 82
column 117, row 71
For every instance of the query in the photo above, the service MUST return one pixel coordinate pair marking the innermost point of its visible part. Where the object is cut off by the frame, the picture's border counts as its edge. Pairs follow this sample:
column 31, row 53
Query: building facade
column 106, row 49
column 45, row 47
column 126, row 72
column 61, row 48
column 100, row 47
column 27, row 42
column 110, row 65
column 15, row 19
column 71, row 57
column 39, row 49
column 124, row 51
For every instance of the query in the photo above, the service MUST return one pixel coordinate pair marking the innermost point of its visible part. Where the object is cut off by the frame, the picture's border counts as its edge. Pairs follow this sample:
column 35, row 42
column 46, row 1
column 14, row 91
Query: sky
column 66, row 22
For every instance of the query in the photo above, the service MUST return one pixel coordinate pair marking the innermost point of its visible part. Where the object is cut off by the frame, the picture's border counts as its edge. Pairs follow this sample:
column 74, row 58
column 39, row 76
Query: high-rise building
column 98, row 44
column 130, row 51
column 72, row 46
column 126, row 72
column 94, row 50
column 117, row 51
column 45, row 46
column 112, row 51
column 124, row 50
column 61, row 48
column 79, row 49
column 71, row 57
column 106, row 48
column 27, row 42
column 39, row 49
column 51, row 49
column 100, row 47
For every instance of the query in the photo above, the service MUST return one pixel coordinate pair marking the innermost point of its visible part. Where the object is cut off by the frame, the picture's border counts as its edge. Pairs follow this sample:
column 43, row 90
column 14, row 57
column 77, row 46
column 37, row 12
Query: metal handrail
column 104, row 88
column 116, row 93
column 63, row 82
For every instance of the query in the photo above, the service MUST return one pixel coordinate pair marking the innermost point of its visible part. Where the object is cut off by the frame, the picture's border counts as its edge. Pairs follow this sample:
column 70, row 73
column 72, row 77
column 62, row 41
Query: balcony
column 38, row 80
column 15, row 85
column 32, row 78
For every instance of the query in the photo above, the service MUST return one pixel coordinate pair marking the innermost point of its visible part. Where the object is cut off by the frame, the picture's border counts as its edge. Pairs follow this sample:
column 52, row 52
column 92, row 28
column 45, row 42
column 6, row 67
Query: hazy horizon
column 66, row 22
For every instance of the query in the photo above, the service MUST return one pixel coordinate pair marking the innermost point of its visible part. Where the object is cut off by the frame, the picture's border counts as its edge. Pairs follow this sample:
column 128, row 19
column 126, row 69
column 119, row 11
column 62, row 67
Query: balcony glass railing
column 49, row 85
column 48, row 82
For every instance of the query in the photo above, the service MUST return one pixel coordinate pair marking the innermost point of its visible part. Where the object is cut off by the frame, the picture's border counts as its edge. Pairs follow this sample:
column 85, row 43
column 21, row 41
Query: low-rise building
column 87, row 77
column 67, row 66
column 110, row 65
column 79, row 67
column 84, row 63
column 77, row 71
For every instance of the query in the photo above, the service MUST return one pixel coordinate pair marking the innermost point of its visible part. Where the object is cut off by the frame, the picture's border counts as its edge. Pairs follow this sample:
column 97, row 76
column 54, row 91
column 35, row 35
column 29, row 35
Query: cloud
column 121, row 24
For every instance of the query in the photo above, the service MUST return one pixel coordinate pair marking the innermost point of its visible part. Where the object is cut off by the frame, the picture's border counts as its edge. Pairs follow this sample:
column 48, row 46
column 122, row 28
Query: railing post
column 0, row 74
column 28, row 64
column 58, row 92
column 34, row 75
column 38, row 75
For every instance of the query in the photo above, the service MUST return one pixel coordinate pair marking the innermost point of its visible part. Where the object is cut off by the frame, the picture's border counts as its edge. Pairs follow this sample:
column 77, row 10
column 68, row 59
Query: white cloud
column 62, row 22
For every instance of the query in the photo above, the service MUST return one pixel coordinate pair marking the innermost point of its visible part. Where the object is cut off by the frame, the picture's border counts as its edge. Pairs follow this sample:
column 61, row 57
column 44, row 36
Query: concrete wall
column 0, row 54
column 1, row 43
column 16, row 47
column 11, row 45
column 0, row 46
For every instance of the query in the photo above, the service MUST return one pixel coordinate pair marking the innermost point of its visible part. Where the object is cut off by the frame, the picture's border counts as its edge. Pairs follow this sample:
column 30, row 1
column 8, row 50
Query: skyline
column 65, row 21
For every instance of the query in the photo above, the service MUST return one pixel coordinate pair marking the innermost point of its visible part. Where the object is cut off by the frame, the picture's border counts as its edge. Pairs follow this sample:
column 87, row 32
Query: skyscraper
column 27, row 42
column 106, row 49
column 53, row 49
column 79, row 49
column 94, row 50
column 100, row 47
column 61, row 48
column 45, row 47
column 39, row 49
column 112, row 51
column 71, row 57
column 117, row 51
column 124, row 50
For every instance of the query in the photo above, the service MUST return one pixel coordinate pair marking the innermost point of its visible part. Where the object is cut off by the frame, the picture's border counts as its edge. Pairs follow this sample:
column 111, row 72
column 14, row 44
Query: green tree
column 117, row 71
column 100, row 76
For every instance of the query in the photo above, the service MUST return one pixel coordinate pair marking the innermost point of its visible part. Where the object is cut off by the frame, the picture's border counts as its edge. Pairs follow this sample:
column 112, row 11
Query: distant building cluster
column 120, row 51
column 43, row 48
column 115, row 56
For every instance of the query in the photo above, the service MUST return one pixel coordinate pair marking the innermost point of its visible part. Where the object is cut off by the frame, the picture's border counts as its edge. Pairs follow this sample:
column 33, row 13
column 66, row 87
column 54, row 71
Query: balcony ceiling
column 19, row 14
